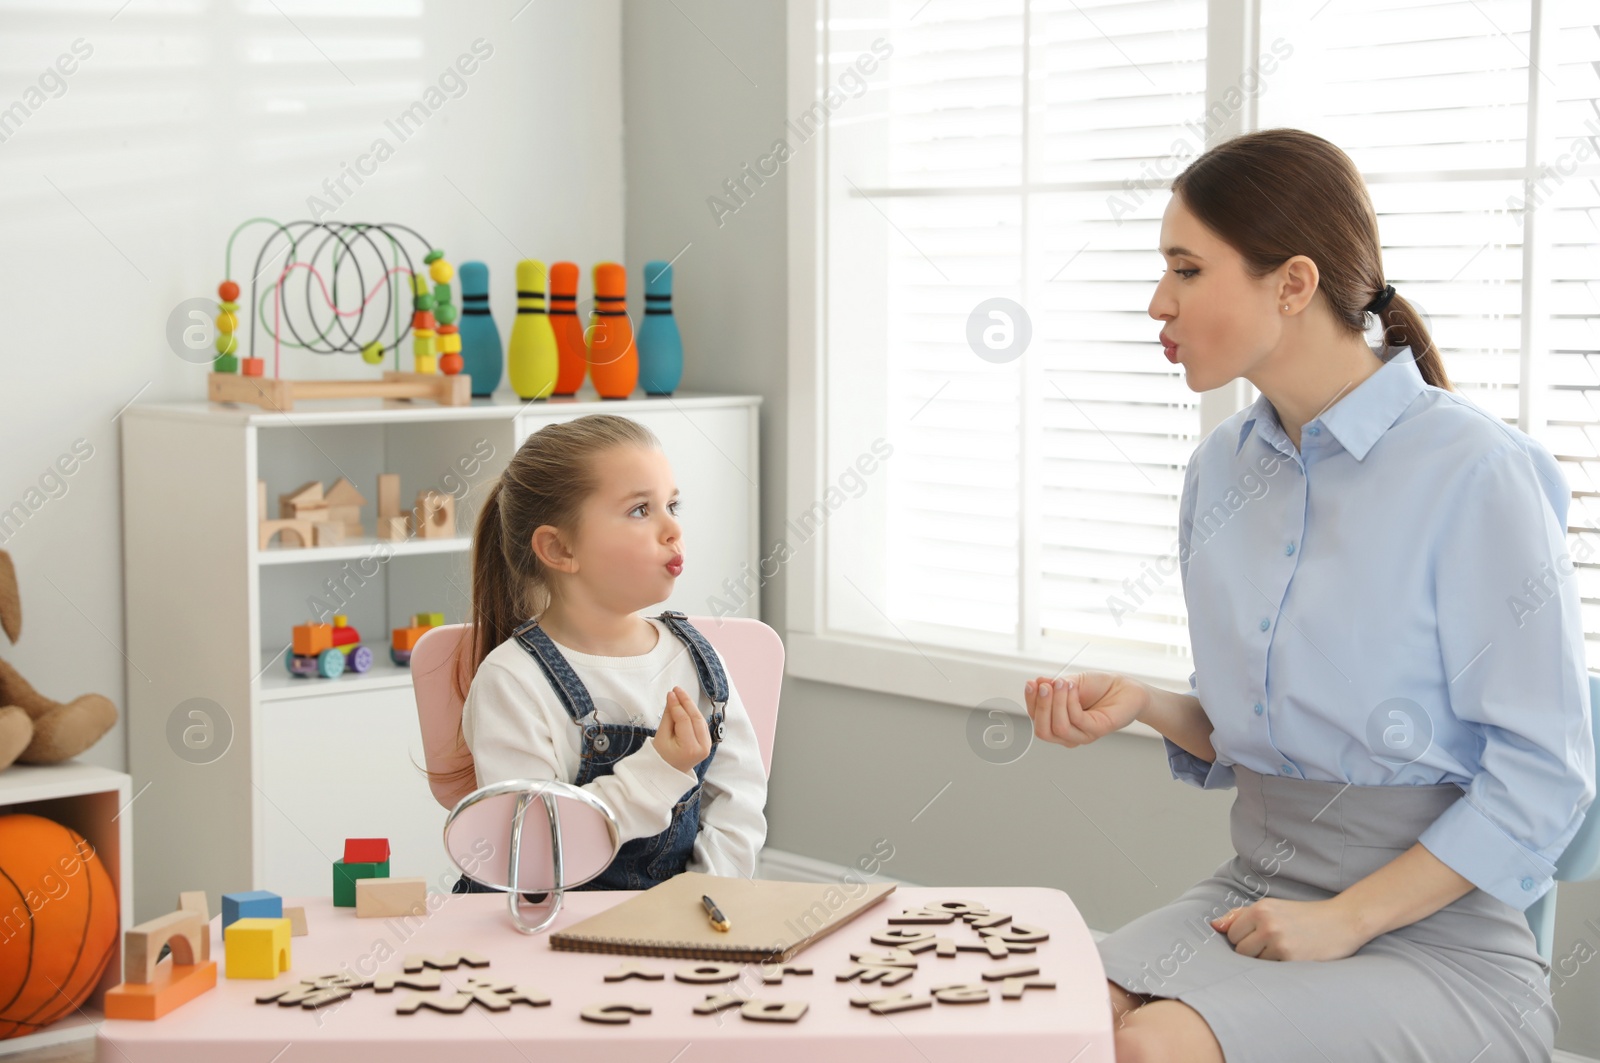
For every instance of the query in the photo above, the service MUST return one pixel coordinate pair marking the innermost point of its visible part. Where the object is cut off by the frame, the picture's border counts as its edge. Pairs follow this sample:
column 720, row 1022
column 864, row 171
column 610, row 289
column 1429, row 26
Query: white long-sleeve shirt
column 515, row 725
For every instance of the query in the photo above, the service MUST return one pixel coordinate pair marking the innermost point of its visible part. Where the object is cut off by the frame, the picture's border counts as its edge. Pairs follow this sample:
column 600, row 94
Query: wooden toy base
column 276, row 393
column 173, row 986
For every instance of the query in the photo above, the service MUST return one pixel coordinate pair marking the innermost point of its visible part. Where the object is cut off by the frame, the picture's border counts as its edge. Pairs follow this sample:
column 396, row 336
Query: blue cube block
column 255, row 904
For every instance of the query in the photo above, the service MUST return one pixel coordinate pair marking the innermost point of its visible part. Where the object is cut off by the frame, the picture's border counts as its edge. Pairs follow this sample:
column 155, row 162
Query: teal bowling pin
column 482, row 355
column 660, row 346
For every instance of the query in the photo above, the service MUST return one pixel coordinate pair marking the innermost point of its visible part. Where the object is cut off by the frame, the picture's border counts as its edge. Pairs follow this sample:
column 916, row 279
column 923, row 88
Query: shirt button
column 1289, row 549
column 1314, row 430
column 1259, row 709
column 1527, row 883
column 1286, row 769
column 1265, row 623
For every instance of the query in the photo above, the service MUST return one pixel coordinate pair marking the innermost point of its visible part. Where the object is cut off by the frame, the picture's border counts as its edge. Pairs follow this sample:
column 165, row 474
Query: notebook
column 769, row 921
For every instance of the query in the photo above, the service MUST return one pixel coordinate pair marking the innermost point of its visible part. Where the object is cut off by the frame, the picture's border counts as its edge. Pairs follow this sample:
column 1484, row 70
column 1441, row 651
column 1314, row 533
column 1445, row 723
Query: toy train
column 326, row 650
column 404, row 639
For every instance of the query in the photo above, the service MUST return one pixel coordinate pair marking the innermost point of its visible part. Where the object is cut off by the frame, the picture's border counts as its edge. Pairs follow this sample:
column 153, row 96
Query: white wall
column 181, row 120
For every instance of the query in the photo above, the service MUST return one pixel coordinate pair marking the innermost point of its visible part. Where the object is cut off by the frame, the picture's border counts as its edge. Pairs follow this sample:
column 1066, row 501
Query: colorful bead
column 230, row 307
column 225, row 363
column 445, row 313
column 254, row 367
column 422, row 302
column 227, row 322
column 228, row 290
column 451, row 364
column 372, row 353
column 419, row 284
column 422, row 319
column 227, row 343
column 441, row 271
column 449, row 343
column 432, row 256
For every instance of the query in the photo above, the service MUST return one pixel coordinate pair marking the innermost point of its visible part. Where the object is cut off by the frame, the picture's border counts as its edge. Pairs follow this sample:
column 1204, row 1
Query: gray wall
column 1106, row 823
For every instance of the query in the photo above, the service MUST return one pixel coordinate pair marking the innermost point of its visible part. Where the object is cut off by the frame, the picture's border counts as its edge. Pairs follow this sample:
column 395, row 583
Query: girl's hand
column 1276, row 929
column 683, row 739
column 1078, row 709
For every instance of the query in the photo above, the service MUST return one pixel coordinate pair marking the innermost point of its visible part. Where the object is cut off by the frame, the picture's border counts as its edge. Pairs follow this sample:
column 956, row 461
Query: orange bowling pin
column 613, row 359
column 569, row 332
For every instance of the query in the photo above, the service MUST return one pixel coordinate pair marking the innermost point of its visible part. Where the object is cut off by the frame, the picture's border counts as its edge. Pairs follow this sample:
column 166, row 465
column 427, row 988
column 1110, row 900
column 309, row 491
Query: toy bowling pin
column 481, row 353
column 660, row 346
column 531, row 358
column 573, row 355
column 613, row 359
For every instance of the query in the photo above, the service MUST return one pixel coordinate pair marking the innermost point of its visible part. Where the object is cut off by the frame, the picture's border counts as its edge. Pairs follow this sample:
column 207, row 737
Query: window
column 1023, row 151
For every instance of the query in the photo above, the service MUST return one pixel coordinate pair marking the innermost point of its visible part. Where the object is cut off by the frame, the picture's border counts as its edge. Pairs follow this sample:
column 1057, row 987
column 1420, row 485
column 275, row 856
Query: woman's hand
column 1078, row 709
column 1276, row 929
column 683, row 739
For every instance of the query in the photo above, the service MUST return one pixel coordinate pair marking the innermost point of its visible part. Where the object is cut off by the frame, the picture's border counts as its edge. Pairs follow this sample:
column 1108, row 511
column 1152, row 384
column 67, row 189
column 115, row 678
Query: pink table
column 1070, row 1022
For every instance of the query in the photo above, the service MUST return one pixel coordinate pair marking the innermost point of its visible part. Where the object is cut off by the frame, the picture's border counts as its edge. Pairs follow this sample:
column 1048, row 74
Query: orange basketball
column 58, row 922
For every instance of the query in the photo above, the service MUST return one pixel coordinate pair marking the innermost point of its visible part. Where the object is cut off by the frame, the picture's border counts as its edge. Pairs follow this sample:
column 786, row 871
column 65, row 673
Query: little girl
column 580, row 533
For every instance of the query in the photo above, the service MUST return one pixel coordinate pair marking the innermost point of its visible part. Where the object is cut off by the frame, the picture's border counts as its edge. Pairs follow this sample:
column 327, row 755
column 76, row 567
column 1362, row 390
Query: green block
column 344, row 880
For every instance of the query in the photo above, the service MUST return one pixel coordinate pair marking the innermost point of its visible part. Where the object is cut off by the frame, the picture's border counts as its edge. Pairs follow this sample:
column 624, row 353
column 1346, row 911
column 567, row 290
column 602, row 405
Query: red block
column 366, row 850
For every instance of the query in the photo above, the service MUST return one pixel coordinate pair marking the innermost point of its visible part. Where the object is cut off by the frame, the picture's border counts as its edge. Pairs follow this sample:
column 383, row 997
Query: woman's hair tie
column 1381, row 300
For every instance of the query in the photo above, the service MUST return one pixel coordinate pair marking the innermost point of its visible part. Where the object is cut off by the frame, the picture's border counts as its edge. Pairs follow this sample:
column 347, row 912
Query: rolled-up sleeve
column 1511, row 638
column 1186, row 767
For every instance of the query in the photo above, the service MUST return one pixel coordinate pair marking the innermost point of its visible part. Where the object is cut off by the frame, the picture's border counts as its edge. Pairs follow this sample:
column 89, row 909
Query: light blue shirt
column 1393, row 604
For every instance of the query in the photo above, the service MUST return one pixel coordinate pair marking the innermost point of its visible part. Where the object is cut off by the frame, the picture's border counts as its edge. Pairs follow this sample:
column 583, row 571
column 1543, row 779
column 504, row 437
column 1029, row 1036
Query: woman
column 1388, row 650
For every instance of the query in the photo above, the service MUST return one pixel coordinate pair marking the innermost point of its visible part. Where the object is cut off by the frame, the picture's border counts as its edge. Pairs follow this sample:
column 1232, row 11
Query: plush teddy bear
column 34, row 729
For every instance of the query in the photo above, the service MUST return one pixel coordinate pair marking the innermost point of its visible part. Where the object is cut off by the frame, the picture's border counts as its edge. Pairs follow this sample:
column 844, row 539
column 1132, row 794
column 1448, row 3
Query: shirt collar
column 1361, row 416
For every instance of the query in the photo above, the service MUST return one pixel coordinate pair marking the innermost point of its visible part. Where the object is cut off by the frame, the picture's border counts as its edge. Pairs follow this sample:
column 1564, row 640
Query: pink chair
column 582, row 836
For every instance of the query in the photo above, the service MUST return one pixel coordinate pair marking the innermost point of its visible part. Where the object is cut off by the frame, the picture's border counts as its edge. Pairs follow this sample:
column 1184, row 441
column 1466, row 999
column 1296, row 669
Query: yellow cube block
column 257, row 948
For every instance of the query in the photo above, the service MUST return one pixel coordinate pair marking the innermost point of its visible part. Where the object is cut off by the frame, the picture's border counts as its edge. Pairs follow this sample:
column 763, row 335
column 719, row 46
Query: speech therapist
column 1388, row 657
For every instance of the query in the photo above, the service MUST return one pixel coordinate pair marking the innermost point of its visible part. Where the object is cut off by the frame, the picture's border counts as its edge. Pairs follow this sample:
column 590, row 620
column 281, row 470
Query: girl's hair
column 1278, row 193
column 546, row 482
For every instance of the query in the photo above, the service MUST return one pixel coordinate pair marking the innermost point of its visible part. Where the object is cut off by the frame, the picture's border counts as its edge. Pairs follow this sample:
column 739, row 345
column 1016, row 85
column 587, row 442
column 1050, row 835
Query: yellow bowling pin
column 532, row 360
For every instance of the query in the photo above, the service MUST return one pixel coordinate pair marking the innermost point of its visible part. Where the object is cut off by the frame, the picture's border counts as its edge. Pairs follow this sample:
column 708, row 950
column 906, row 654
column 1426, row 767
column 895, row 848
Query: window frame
column 944, row 675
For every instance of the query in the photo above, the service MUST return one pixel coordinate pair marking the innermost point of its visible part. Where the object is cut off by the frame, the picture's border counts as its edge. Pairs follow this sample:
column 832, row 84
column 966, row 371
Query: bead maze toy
column 352, row 318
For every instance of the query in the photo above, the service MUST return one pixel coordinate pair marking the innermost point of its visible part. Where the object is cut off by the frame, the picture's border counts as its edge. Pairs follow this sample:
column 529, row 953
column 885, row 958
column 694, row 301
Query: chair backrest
column 752, row 652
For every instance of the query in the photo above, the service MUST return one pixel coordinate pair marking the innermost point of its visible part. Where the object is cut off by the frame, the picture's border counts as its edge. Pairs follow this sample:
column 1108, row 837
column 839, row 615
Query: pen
column 718, row 920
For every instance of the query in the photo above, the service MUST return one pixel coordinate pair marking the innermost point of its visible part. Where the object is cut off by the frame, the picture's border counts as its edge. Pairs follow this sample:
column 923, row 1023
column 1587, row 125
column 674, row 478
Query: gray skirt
column 1464, row 984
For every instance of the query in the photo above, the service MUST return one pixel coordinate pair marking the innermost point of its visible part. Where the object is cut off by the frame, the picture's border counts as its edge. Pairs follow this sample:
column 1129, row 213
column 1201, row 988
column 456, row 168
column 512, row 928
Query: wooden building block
column 388, row 495
column 344, row 506
column 378, row 897
column 141, row 945
column 261, row 500
column 173, row 986
column 256, row 948
column 394, row 529
column 297, row 921
column 345, row 877
column 327, row 532
column 434, row 515
column 296, row 533
column 262, row 904
column 303, row 503
column 366, row 850
column 195, row 901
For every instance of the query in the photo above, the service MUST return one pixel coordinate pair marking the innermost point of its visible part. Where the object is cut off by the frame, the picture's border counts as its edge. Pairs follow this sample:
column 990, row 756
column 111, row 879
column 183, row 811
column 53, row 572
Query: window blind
column 1005, row 149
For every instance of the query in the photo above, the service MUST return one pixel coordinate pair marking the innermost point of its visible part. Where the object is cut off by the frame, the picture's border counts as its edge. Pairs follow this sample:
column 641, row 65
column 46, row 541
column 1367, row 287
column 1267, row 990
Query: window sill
column 952, row 677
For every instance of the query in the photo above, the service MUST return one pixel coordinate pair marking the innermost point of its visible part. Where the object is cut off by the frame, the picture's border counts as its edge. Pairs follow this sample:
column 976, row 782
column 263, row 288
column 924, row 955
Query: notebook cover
column 769, row 921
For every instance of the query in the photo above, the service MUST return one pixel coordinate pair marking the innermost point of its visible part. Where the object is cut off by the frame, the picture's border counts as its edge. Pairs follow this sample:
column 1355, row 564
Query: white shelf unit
column 95, row 802
column 209, row 616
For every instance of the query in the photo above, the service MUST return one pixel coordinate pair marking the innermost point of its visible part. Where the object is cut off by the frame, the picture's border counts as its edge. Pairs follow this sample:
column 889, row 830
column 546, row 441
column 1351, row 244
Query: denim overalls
column 642, row 862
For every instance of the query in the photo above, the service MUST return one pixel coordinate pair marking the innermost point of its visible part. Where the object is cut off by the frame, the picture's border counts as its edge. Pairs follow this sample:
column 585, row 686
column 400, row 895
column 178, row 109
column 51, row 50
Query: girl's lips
column 1171, row 353
column 675, row 566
